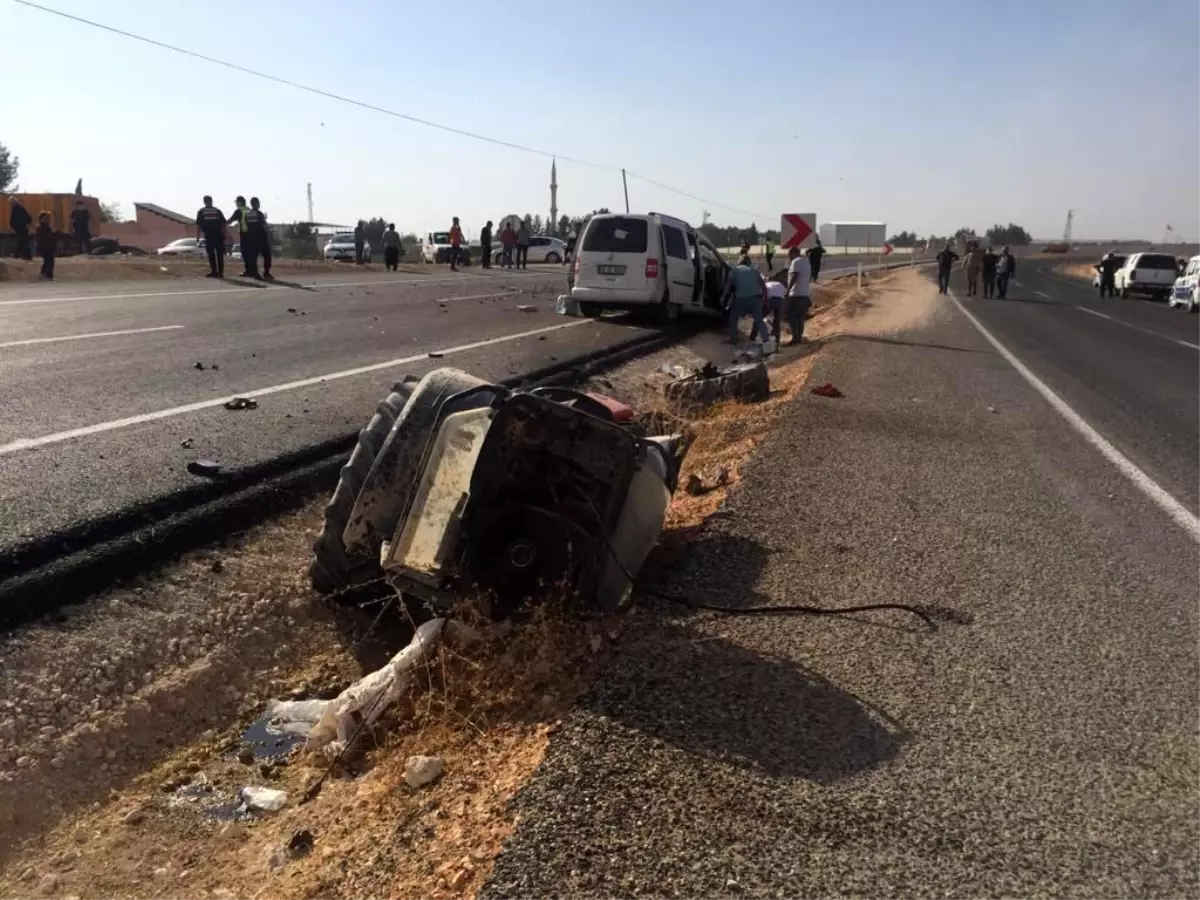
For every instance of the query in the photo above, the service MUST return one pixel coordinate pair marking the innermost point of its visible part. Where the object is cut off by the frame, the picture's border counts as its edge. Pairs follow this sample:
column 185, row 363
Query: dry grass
column 1082, row 271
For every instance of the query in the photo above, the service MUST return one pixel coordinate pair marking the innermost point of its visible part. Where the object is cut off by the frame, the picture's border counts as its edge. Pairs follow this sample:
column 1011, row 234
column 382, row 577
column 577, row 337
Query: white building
column 866, row 236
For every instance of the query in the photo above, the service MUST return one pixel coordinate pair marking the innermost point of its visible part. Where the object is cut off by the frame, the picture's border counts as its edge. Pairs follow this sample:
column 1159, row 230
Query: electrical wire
column 329, row 95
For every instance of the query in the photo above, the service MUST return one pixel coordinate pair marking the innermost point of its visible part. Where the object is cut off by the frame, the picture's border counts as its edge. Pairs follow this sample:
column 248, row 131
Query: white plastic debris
column 263, row 799
column 294, row 716
column 422, row 770
column 566, row 306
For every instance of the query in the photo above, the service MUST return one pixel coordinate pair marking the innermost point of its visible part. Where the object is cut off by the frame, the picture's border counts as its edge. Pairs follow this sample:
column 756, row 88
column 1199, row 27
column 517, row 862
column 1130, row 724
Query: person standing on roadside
column 815, row 254
column 47, row 244
column 769, row 253
column 256, row 220
column 1006, row 268
column 245, row 239
column 360, row 242
column 744, row 296
column 210, row 227
column 523, row 244
column 569, row 250
column 799, row 293
column 391, row 249
column 971, row 267
column 20, row 221
column 485, row 245
column 1108, row 275
column 456, row 239
column 988, row 267
column 945, row 263
column 81, row 226
column 508, row 240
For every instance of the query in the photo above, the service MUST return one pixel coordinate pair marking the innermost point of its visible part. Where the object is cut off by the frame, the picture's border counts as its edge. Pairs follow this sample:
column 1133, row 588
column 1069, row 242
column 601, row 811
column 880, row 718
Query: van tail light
column 652, row 268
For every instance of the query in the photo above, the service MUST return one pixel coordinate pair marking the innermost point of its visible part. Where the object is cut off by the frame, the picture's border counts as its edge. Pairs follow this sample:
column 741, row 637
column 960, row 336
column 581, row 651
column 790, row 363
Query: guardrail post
column 860, row 276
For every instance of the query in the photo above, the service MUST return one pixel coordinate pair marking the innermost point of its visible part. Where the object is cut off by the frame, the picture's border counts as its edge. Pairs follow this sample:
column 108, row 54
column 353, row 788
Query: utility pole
column 625, row 184
column 1067, row 230
column 310, row 212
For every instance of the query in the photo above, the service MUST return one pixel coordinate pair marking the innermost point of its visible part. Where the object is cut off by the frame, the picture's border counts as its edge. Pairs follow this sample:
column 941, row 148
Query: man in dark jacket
column 47, row 245
column 1006, row 268
column 360, row 242
column 945, row 262
column 81, row 226
column 246, row 239
column 988, row 267
column 256, row 220
column 815, row 254
column 210, row 225
column 19, row 221
column 1108, row 275
column 485, row 244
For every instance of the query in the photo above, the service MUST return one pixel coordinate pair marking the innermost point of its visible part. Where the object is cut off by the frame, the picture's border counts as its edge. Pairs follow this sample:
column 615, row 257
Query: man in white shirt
column 776, row 301
column 799, row 293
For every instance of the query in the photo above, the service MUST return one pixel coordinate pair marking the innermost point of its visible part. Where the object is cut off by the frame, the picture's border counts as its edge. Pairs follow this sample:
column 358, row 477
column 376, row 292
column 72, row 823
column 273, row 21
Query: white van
column 646, row 261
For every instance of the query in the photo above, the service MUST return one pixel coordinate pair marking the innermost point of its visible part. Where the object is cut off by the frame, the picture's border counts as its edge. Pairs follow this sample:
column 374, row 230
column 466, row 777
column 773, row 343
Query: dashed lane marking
column 94, row 334
column 1093, row 312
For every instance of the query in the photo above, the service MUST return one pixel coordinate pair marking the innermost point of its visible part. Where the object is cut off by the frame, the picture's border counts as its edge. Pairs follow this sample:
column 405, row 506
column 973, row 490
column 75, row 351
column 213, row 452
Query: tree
column 904, row 239
column 8, row 169
column 110, row 212
column 578, row 222
column 750, row 236
column 1011, row 234
column 408, row 239
column 537, row 226
column 374, row 231
column 299, row 241
column 564, row 225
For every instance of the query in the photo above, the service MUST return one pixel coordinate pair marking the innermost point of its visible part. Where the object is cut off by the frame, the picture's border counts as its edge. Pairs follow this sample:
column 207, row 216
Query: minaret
column 553, row 197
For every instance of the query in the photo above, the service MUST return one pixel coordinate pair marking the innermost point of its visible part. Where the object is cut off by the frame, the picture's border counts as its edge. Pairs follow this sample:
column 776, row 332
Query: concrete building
column 864, row 236
column 154, row 226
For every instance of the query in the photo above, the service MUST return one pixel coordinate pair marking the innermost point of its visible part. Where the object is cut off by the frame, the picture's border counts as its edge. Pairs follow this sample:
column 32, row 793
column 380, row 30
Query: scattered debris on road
column 422, row 770
column 696, row 485
column 187, row 443
column 748, row 382
column 205, row 467
column 263, row 799
column 526, row 308
column 241, row 403
column 827, row 390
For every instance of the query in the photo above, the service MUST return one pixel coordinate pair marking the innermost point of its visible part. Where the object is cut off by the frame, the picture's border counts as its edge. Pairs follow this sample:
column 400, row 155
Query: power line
column 369, row 106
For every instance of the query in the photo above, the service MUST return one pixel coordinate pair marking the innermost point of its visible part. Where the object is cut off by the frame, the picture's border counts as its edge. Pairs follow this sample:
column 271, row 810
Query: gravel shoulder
column 1045, row 745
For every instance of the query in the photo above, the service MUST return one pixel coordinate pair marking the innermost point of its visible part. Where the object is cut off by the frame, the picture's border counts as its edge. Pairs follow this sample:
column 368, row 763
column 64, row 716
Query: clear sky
column 927, row 115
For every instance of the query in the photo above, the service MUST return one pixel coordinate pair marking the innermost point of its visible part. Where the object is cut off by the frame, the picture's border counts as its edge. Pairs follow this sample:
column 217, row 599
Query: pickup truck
column 1148, row 274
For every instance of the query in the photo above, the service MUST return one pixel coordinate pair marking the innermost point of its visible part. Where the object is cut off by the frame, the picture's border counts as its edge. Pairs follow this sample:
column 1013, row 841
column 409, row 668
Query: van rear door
column 620, row 253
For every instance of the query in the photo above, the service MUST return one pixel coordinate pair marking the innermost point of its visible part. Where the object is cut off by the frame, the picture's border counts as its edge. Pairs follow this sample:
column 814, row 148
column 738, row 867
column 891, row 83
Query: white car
column 183, row 247
column 542, row 249
column 1149, row 274
column 341, row 247
column 1186, row 293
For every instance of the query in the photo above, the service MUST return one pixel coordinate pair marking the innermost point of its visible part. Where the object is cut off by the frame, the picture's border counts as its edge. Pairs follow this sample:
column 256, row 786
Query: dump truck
column 59, row 206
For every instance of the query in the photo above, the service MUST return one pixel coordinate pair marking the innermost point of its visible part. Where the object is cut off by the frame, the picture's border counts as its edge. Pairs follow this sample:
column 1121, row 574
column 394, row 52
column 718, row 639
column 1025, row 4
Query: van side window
column 673, row 238
column 691, row 239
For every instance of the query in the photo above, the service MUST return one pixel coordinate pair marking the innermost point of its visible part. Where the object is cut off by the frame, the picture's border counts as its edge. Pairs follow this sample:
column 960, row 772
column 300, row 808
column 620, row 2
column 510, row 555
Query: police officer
column 256, row 220
column 249, row 251
column 210, row 225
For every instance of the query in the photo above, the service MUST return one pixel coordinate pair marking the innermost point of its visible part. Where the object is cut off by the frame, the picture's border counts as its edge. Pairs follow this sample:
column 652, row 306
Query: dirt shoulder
column 124, row 744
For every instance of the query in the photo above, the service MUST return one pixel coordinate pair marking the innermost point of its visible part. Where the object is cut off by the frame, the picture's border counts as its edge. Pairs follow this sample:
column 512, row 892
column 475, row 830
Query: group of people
column 814, row 254
column 250, row 222
column 748, row 293
column 996, row 268
column 514, row 245
column 44, row 236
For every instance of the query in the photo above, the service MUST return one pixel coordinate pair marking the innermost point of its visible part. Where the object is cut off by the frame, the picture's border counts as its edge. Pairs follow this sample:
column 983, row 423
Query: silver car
column 341, row 247
column 183, row 247
column 542, row 249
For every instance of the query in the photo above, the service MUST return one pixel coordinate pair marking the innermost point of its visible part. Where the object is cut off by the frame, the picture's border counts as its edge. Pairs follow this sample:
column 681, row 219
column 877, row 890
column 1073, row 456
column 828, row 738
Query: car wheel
column 589, row 310
column 553, row 257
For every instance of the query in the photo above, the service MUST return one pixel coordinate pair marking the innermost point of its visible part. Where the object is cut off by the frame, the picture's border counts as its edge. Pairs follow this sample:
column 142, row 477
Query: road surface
column 1041, row 743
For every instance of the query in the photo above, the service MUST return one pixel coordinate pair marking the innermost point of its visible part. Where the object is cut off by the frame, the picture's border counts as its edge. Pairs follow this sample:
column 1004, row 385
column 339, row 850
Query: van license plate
column 611, row 270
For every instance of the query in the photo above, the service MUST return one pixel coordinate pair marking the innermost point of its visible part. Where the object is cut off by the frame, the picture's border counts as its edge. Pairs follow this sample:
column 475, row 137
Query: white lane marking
column 1143, row 482
column 241, row 290
column 94, row 334
column 101, row 427
column 1042, row 294
column 1017, row 283
column 1093, row 312
column 513, row 293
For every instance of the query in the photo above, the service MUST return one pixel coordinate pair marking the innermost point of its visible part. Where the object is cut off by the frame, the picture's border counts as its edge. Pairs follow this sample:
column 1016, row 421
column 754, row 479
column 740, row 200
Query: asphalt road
column 1041, row 743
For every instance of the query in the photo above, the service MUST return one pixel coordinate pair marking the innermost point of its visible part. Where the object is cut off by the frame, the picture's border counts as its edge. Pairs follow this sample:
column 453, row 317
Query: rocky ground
column 124, row 741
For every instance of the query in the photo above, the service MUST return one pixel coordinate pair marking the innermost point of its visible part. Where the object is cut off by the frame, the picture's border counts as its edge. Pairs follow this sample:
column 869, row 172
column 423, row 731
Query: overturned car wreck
column 463, row 489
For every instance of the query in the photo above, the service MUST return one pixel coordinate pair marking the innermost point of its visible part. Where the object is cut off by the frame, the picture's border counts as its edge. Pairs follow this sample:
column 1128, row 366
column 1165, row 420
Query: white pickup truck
column 1149, row 274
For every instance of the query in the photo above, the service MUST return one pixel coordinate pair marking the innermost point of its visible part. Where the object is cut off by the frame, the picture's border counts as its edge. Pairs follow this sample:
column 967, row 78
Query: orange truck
column 59, row 206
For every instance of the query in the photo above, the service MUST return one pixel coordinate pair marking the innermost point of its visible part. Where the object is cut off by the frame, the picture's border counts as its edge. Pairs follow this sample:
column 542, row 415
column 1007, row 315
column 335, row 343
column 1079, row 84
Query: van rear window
column 616, row 235
column 1156, row 261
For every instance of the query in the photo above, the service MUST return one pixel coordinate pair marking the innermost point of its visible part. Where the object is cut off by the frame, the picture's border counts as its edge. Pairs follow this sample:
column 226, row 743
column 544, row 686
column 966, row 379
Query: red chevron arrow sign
column 796, row 230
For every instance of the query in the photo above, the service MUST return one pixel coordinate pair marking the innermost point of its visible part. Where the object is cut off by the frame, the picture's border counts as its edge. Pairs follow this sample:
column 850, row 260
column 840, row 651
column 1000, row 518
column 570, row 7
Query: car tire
column 590, row 310
column 553, row 257
column 333, row 569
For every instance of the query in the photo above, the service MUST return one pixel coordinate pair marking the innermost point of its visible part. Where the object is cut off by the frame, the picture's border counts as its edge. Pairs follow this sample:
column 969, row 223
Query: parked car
column 646, row 261
column 341, row 247
column 183, row 247
column 1185, row 293
column 541, row 250
column 1119, row 257
column 1149, row 274
column 436, row 248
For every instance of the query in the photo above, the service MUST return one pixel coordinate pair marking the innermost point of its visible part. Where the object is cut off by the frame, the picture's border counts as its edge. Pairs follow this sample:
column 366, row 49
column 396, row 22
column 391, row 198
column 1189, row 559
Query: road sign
column 887, row 248
column 796, row 230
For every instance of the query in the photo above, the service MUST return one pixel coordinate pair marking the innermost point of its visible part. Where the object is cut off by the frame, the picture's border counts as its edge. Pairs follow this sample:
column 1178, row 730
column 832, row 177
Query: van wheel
column 667, row 313
column 589, row 309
